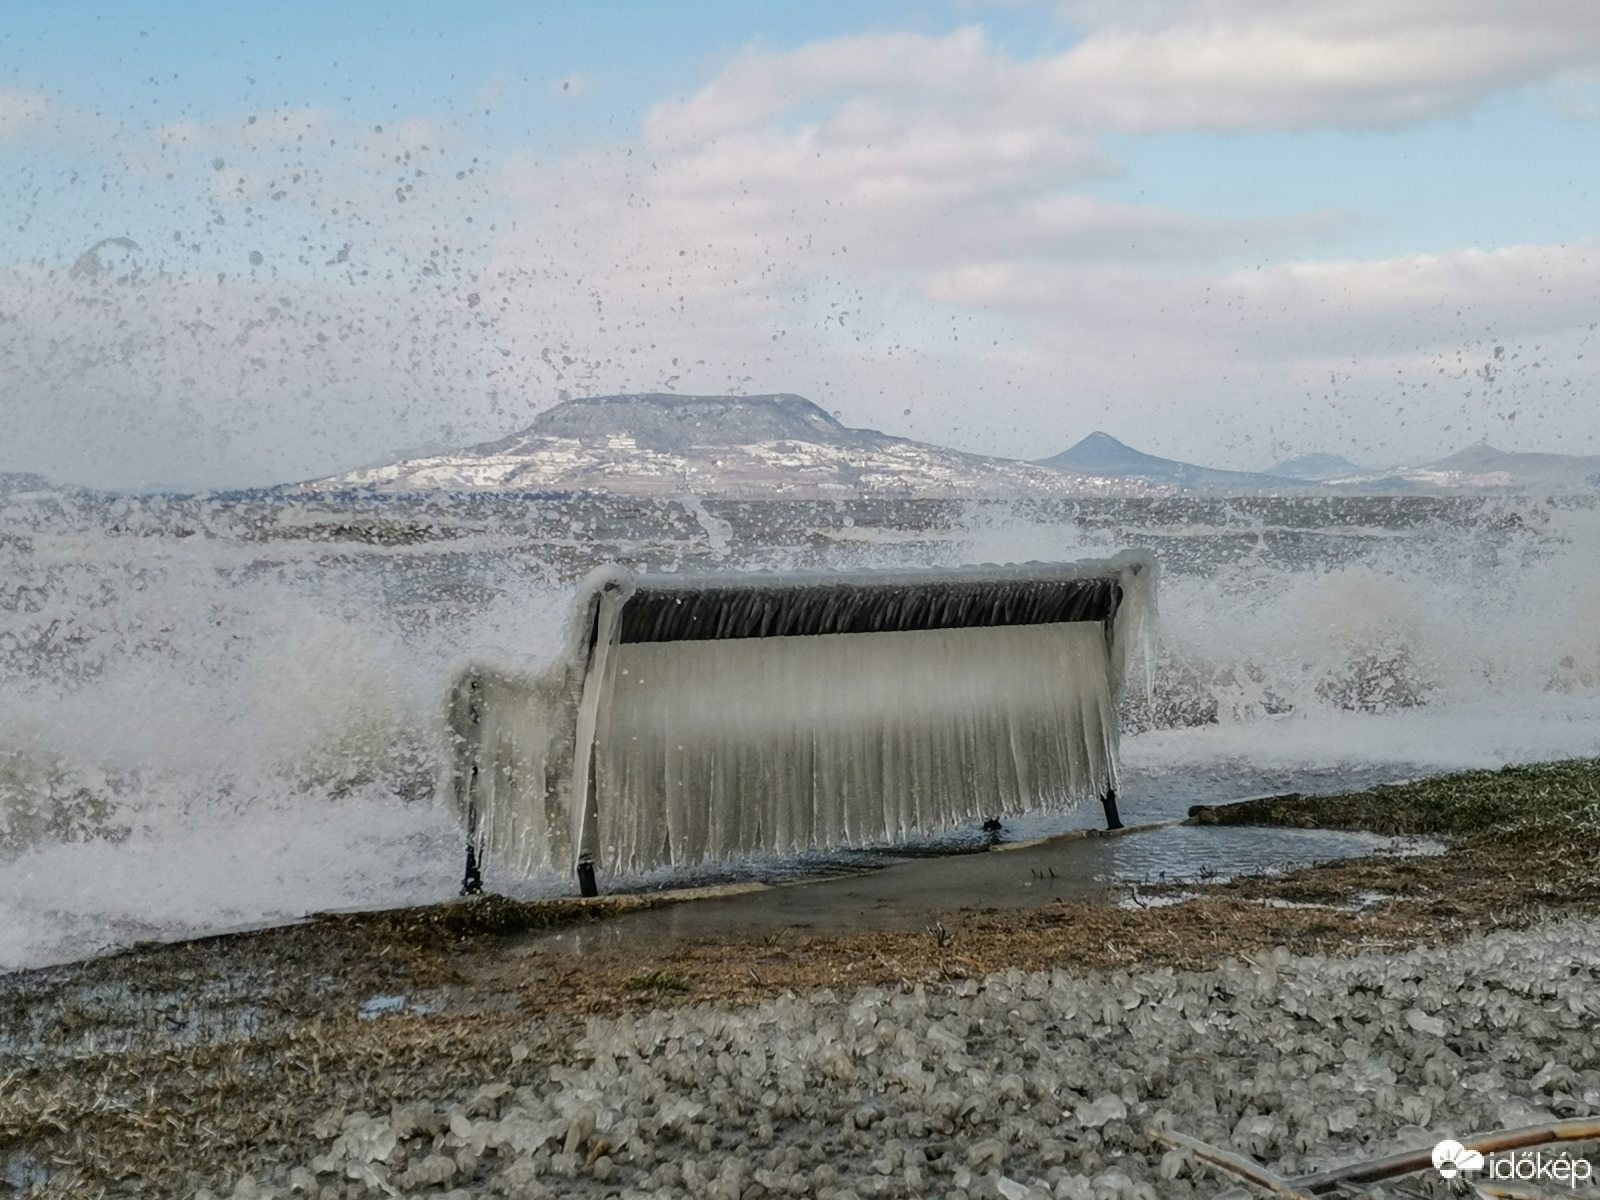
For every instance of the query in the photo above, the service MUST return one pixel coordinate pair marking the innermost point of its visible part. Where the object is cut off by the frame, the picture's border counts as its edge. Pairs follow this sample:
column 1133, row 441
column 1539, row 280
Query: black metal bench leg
column 472, row 881
column 586, row 884
column 472, row 878
column 1109, row 800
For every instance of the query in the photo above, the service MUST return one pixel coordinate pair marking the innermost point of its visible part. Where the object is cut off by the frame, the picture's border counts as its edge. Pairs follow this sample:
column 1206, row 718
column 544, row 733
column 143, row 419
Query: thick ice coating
column 704, row 719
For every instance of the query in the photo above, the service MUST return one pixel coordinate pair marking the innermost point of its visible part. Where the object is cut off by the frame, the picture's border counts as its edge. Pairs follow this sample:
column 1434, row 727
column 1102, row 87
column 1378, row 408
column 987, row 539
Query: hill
column 1321, row 468
column 1102, row 454
column 735, row 446
column 1484, row 468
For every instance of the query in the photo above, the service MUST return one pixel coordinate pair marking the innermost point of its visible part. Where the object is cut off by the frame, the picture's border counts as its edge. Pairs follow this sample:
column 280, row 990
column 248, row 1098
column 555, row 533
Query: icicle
column 783, row 743
column 509, row 768
column 1134, row 637
column 742, row 715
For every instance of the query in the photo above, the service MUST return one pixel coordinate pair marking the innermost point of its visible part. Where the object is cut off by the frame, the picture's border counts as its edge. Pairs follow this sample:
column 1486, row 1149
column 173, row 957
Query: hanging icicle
column 716, row 718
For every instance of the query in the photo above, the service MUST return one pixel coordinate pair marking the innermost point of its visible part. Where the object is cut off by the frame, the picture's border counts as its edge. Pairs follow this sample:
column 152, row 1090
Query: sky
column 242, row 245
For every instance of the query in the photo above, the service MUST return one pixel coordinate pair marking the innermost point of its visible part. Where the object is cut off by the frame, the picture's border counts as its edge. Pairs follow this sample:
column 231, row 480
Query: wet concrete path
column 910, row 893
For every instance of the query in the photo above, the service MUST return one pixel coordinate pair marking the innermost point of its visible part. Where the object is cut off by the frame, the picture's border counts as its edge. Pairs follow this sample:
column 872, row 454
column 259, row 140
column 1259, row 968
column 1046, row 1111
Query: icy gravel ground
column 1022, row 1086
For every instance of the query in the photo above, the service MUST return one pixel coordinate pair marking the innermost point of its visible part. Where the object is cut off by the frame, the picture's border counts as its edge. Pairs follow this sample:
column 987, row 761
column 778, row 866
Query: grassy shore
column 167, row 1067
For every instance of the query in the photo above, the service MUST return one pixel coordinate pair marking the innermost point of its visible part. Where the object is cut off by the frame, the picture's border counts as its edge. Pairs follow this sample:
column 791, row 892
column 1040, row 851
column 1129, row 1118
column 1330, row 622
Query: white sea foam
column 220, row 712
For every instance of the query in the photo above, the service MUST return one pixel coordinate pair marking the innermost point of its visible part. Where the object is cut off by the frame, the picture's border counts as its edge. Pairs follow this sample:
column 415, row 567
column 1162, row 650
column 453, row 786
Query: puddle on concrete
column 1194, row 853
column 904, row 894
column 1148, row 799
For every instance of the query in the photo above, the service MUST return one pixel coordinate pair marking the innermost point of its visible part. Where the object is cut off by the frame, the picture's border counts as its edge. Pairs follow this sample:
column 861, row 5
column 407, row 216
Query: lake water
column 222, row 711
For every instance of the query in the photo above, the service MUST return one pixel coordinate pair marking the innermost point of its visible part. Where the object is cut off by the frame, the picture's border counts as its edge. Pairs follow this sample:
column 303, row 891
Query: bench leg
column 1109, row 800
column 472, row 880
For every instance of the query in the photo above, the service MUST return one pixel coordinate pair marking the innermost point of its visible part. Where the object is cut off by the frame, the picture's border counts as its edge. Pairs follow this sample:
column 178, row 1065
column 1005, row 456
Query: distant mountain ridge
column 737, row 446
column 1321, row 468
column 1482, row 467
column 1102, row 454
column 783, row 445
column 1477, row 469
column 672, row 423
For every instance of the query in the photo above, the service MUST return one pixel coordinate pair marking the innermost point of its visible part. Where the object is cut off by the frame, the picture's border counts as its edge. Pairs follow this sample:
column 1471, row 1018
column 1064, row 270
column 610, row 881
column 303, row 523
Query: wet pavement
column 912, row 893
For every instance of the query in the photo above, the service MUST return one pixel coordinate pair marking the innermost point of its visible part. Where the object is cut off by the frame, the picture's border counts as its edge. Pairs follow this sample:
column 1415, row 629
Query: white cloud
column 1575, row 95
column 937, row 176
column 1239, row 64
column 307, row 189
column 174, row 379
column 1384, row 360
column 21, row 113
column 897, row 214
column 1012, row 322
column 1523, row 287
column 255, row 131
column 1212, row 64
column 119, row 374
column 885, row 222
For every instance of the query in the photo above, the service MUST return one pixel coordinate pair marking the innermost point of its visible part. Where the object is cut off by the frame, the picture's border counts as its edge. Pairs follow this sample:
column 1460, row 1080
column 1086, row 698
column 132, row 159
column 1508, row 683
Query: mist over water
column 221, row 711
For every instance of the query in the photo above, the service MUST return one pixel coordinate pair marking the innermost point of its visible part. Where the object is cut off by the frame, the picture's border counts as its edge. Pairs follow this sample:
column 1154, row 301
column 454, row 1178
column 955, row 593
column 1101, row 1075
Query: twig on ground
column 1235, row 1164
column 1518, row 1191
column 1492, row 1142
column 1349, row 1178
